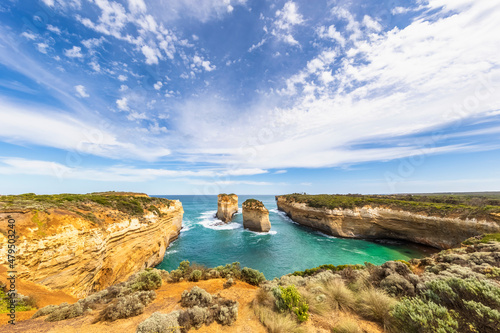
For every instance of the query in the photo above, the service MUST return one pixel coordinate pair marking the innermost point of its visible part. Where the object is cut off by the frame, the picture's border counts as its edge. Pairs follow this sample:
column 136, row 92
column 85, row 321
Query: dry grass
column 338, row 296
column 347, row 326
column 276, row 322
column 375, row 305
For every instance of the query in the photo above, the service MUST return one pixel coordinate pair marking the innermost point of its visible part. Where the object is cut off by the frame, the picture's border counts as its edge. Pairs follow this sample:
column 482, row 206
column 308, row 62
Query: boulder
column 255, row 216
column 227, row 206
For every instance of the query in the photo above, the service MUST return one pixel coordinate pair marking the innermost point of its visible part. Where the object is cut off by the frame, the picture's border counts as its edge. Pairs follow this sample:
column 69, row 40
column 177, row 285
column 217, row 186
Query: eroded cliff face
column 379, row 222
column 255, row 216
column 61, row 249
column 227, row 206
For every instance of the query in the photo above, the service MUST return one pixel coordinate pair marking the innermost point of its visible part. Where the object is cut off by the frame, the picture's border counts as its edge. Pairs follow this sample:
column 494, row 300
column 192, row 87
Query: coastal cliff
column 387, row 221
column 227, row 206
column 255, row 216
column 84, row 243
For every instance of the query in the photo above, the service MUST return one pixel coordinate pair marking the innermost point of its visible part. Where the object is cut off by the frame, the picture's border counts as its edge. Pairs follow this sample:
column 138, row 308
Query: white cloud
column 123, row 87
column 54, row 29
column 200, row 62
column 158, row 85
column 439, row 69
column 82, row 92
column 331, row 33
column 371, row 24
column 49, row 3
column 95, row 66
column 286, row 19
column 73, row 52
column 42, row 47
column 280, row 172
column 151, row 54
column 122, row 77
column 29, row 35
column 93, row 42
column 137, row 6
column 256, row 46
column 122, row 104
column 43, row 127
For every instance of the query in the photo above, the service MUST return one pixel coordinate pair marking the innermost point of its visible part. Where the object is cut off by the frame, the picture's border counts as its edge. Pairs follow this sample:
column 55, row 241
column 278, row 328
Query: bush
column 128, row 306
column 195, row 275
column 65, row 311
column 195, row 297
column 229, row 283
column 414, row 315
column 290, row 299
column 160, row 323
column 44, row 311
column 147, row 280
column 252, row 276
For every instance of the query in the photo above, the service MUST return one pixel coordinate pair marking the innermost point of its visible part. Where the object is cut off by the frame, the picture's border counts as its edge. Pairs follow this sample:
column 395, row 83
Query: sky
column 249, row 96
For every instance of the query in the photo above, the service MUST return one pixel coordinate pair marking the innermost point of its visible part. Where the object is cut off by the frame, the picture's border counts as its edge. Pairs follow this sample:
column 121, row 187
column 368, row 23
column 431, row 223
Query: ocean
column 288, row 247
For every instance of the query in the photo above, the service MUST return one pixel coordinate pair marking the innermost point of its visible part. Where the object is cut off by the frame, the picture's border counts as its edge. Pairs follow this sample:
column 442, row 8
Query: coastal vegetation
column 125, row 202
column 456, row 290
column 460, row 205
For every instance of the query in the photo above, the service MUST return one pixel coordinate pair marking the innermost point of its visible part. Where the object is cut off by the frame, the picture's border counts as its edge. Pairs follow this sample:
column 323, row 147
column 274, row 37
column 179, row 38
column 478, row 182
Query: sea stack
column 255, row 216
column 227, row 206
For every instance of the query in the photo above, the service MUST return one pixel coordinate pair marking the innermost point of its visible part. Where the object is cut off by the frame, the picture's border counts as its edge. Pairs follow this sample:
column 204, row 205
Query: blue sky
column 251, row 97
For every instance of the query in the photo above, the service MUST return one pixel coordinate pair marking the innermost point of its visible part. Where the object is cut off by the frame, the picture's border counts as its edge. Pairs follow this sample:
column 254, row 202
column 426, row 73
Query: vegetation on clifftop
column 128, row 203
column 460, row 205
column 253, row 203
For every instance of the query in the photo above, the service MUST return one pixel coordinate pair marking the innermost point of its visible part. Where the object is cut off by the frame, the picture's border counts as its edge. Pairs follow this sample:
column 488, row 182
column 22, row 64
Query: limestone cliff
column 82, row 244
column 227, row 206
column 382, row 222
column 255, row 216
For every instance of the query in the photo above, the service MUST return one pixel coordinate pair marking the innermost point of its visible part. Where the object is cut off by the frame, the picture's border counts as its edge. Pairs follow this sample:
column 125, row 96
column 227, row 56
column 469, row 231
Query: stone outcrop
column 86, row 247
column 227, row 206
column 378, row 222
column 255, row 216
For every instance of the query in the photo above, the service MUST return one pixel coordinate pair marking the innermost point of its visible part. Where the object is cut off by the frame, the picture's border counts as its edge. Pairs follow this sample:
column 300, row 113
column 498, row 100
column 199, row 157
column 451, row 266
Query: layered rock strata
column 70, row 250
column 255, row 216
column 378, row 222
column 227, row 206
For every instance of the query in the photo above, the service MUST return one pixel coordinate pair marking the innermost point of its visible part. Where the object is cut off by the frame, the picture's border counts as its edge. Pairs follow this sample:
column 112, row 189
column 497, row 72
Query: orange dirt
column 167, row 300
column 43, row 295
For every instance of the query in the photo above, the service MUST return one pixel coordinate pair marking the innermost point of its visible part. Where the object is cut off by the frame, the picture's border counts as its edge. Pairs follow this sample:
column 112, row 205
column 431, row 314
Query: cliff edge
column 227, row 206
column 371, row 219
column 84, row 243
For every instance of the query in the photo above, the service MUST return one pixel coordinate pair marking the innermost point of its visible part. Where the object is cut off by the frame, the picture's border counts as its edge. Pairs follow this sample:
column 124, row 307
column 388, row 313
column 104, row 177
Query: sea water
column 288, row 247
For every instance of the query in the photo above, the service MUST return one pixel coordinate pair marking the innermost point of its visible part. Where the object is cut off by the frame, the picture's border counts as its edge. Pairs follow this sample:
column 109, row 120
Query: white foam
column 324, row 235
column 208, row 220
column 271, row 232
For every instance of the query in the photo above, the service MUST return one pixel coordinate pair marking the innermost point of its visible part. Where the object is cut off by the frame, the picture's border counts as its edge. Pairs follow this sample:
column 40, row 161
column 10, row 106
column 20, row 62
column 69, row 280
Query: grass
column 473, row 205
column 124, row 202
column 277, row 322
column 253, row 203
column 483, row 239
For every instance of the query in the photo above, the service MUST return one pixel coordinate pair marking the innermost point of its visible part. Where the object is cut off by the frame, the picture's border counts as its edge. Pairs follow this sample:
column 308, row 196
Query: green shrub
column 289, row 299
column 415, row 315
column 184, row 266
column 160, row 323
column 252, row 276
column 313, row 271
column 147, row 280
column 301, row 312
column 195, row 275
column 65, row 311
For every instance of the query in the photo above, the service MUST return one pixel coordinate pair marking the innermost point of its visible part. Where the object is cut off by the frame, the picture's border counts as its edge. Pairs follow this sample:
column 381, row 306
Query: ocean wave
column 271, row 232
column 208, row 220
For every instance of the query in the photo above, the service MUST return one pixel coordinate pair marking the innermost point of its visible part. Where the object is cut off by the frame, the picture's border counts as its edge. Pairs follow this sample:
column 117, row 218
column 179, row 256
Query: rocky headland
column 81, row 244
column 255, row 216
column 227, row 206
column 441, row 225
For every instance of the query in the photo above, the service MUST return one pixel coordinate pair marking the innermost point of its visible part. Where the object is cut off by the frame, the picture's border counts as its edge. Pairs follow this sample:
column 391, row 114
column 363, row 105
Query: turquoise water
column 288, row 247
